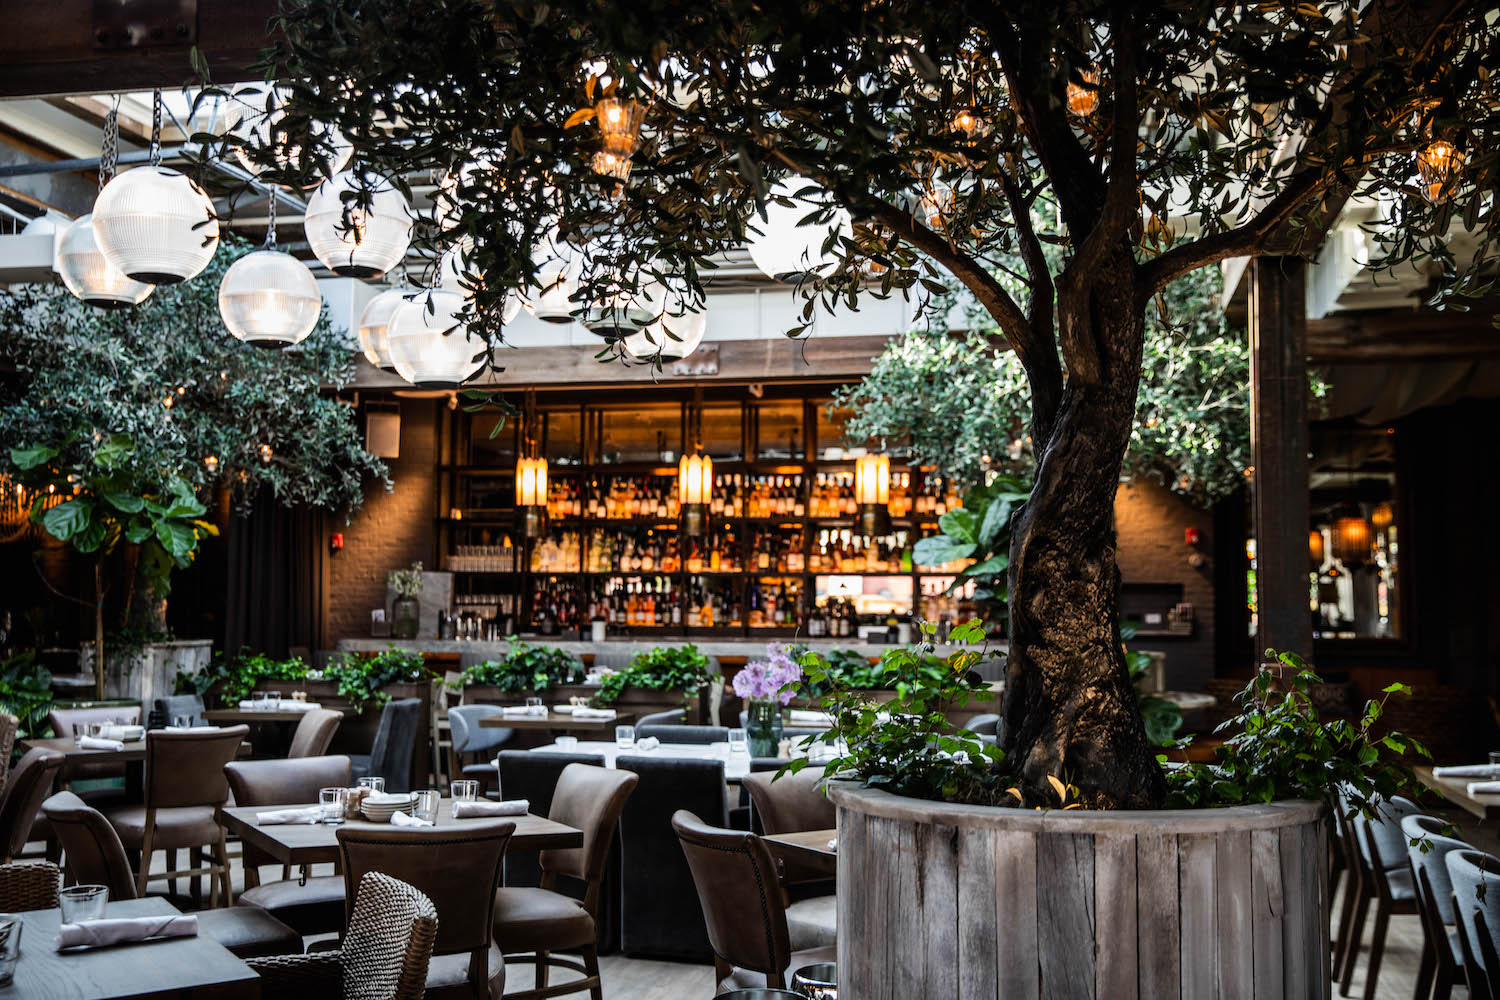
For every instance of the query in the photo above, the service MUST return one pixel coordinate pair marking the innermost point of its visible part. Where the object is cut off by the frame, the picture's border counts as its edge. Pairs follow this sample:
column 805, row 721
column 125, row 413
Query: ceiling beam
column 1409, row 335
column 50, row 48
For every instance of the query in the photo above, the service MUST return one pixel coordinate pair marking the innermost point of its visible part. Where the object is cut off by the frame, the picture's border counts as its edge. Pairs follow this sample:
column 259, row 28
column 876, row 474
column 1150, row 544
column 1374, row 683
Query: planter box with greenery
column 526, row 671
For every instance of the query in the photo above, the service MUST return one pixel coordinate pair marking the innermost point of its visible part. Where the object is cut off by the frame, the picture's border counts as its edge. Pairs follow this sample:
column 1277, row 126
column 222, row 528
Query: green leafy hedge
column 527, row 668
column 665, row 668
column 232, row 678
column 362, row 677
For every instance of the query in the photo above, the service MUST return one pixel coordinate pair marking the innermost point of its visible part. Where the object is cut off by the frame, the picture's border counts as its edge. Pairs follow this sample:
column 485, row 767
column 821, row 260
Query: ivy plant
column 232, row 678
column 527, row 668
column 979, row 530
column 362, row 677
column 665, row 668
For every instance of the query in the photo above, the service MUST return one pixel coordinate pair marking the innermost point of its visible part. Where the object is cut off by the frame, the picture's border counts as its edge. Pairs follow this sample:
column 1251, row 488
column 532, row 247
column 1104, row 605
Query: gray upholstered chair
column 1384, row 877
column 987, row 724
column 700, row 735
column 1476, row 890
column 470, row 739
column 395, row 743
column 29, row 784
column 165, row 710
column 675, row 717
column 1442, row 957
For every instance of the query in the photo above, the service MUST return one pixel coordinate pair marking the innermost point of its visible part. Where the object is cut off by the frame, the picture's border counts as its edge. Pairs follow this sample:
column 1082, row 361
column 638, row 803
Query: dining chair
column 62, row 720
column 9, row 725
column 314, row 732
column 1442, row 958
column 313, row 904
column 384, row 954
column 1489, row 956
column 458, row 869
column 1384, row 877
column 533, row 777
column 28, row 885
column 654, row 877
column 698, row 735
column 184, row 786
column 447, row 691
column 164, row 711
column 672, row 717
column 987, row 724
column 735, row 879
column 482, row 743
column 30, row 782
column 795, row 803
column 1475, row 876
column 95, row 856
column 395, row 745
column 532, row 924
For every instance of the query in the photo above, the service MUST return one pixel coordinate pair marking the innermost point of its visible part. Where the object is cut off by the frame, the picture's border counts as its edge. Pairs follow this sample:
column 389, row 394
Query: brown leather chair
column 539, row 921
column 184, row 786
column 790, row 804
column 737, row 882
column 313, row 734
column 29, row 885
column 456, row 867
column 62, row 719
column 29, row 784
column 314, row 905
column 95, row 856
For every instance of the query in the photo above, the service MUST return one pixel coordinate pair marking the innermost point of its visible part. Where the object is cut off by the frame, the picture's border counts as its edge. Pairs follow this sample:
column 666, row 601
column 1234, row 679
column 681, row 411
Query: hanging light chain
column 271, row 221
column 156, row 127
column 111, row 150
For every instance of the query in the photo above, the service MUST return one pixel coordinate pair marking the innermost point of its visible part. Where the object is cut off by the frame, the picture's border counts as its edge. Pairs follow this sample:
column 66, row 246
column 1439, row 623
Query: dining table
column 812, row 849
column 557, row 722
column 131, row 755
column 162, row 968
column 235, row 716
column 312, row 843
column 1456, row 791
column 736, row 765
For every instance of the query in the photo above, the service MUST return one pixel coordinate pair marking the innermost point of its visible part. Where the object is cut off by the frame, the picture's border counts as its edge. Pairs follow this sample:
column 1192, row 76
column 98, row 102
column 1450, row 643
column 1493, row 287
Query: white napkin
column 95, row 743
column 388, row 798
column 510, row 807
column 125, row 734
column 647, row 743
column 401, row 819
column 515, row 710
column 807, row 717
column 1467, row 771
column 293, row 705
column 192, row 729
column 309, row 814
column 1484, row 788
column 100, row 933
column 584, row 712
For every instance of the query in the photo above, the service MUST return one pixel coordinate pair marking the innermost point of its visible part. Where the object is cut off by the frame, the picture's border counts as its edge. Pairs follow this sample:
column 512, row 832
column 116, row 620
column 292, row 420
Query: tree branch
column 1122, row 195
column 1044, row 369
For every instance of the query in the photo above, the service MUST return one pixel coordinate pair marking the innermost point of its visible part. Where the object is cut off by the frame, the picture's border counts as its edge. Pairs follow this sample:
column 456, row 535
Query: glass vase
column 406, row 617
column 763, row 727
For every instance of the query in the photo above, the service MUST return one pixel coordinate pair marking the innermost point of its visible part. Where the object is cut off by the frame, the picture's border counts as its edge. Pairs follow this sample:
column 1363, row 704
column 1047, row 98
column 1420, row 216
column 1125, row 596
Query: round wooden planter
column 964, row 902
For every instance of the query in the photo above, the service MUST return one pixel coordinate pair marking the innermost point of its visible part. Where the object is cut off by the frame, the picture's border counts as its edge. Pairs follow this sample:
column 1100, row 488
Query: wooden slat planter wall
column 970, row 903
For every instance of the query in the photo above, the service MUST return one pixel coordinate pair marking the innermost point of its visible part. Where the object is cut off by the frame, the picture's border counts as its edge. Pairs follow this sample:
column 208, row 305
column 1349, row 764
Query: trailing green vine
column 362, row 677
column 665, row 668
column 232, row 678
column 527, row 668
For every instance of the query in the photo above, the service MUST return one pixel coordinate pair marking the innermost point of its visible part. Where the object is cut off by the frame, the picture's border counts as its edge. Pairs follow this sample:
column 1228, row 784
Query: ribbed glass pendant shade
column 89, row 276
column 155, row 225
column 269, row 299
column 431, row 348
column 550, row 299
column 256, row 128
column 686, row 333
column 457, row 274
column 354, row 241
column 373, row 322
column 785, row 248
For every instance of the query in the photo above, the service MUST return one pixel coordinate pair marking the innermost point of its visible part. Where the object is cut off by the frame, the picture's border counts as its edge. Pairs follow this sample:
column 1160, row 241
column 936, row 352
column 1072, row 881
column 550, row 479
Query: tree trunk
column 1069, row 706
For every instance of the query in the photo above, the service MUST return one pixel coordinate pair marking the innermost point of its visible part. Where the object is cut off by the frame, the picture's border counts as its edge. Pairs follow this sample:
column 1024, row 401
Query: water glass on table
column 374, row 784
column 333, row 802
column 425, row 804
column 80, row 730
column 10, row 946
column 535, row 706
column 1495, row 758
column 625, row 737
column 739, row 741
column 273, row 701
column 182, row 721
column 78, row 903
column 463, row 790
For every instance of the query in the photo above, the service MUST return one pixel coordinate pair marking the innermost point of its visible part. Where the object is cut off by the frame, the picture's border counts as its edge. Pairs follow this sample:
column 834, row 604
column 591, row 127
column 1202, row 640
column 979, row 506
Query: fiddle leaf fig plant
column 979, row 530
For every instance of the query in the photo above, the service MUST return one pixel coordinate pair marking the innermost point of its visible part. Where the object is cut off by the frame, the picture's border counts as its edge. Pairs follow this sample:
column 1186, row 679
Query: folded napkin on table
column 584, row 712
column 95, row 743
column 806, row 717
column 1484, row 788
column 1467, row 771
column 648, row 743
column 387, row 798
column 117, row 930
column 126, row 734
column 515, row 710
column 292, row 705
column 401, row 819
column 192, row 729
column 307, row 814
column 510, row 807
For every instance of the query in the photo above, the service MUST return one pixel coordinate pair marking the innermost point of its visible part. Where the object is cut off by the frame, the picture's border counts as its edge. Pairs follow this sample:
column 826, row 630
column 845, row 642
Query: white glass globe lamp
column 429, row 343
column 373, row 321
column 354, row 240
column 256, row 128
column 269, row 299
column 456, row 274
column 89, row 276
column 550, row 298
column 784, row 248
column 155, row 225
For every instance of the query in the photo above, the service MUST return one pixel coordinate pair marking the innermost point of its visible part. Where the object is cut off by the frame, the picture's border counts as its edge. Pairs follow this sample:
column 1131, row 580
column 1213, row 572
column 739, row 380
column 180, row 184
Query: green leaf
column 178, row 539
column 128, row 503
column 138, row 531
column 26, row 459
column 996, row 523
column 935, row 550
column 68, row 518
column 959, row 524
column 994, row 564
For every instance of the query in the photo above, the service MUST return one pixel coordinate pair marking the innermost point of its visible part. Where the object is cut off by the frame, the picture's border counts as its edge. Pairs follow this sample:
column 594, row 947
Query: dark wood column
column 1279, row 445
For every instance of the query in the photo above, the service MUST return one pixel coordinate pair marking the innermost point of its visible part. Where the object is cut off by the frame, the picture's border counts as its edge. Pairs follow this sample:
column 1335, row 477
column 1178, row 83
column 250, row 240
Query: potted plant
column 766, row 686
column 406, row 610
column 229, row 680
column 523, row 671
column 663, row 678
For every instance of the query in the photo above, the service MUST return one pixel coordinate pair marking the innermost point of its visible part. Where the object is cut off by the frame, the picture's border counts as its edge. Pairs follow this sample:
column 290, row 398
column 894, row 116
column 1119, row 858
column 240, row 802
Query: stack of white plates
column 378, row 807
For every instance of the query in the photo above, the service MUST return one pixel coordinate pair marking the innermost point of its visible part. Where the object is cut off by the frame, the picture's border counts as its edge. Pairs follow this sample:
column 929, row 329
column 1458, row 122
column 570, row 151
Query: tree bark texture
column 1069, row 706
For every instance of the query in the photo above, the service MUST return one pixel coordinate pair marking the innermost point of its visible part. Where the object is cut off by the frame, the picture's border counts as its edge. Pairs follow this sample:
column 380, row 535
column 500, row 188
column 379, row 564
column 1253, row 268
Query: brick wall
column 1150, row 522
column 393, row 529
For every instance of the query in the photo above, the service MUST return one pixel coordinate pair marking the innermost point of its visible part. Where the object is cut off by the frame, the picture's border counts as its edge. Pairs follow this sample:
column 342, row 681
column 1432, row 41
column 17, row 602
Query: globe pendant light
column 154, row 224
column 629, row 300
column 363, row 236
column 254, row 124
column 373, row 322
column 79, row 260
column 269, row 298
column 429, row 342
column 455, row 275
column 785, row 246
column 550, row 297
column 674, row 334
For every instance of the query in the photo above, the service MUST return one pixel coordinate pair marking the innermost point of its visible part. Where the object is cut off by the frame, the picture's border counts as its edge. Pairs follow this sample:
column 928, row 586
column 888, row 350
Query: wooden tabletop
column 812, row 843
column 304, row 843
column 170, row 967
column 238, row 715
column 557, row 722
column 70, row 749
column 736, row 765
column 1456, row 790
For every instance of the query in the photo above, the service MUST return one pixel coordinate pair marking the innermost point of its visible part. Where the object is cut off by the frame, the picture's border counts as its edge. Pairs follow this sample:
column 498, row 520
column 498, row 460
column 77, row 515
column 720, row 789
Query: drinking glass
column 625, row 737
column 425, row 804
column 273, row 700
column 96, row 730
column 258, row 701
column 82, row 902
column 374, row 784
column 463, row 790
column 1495, row 757
column 534, row 706
column 739, row 741
column 10, row 946
column 182, row 721
column 333, row 802
column 566, row 742
column 80, row 730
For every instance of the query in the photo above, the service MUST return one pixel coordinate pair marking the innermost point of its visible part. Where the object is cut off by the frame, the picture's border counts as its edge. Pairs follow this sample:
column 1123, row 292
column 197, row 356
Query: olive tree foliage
column 958, row 403
column 1194, row 132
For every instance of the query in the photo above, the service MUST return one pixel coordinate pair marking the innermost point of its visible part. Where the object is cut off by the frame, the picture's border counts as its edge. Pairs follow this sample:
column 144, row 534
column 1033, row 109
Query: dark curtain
column 276, row 579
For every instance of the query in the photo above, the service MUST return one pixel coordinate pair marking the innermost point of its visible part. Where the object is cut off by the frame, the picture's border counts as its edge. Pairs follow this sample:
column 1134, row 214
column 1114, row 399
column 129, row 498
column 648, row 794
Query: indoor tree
column 1168, row 137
